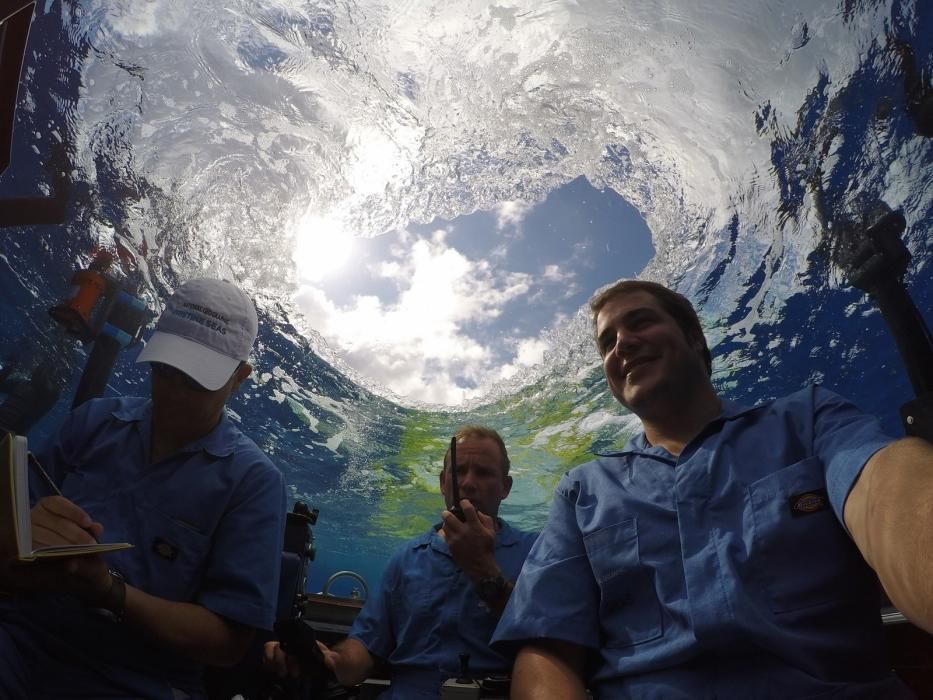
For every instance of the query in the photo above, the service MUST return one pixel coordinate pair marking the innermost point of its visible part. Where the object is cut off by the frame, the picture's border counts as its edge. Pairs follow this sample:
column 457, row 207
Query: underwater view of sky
column 437, row 313
column 421, row 198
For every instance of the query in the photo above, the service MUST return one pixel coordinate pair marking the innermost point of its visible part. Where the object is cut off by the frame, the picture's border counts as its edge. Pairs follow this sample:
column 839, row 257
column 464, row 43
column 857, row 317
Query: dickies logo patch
column 164, row 549
column 808, row 502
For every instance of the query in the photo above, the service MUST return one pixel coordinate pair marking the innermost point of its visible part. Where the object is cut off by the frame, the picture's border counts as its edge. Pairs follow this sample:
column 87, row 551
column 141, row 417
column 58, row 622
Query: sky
column 438, row 313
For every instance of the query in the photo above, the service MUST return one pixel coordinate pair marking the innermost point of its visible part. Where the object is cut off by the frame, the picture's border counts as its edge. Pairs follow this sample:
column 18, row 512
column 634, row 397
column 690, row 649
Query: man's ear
column 242, row 372
column 440, row 480
column 697, row 343
column 508, row 486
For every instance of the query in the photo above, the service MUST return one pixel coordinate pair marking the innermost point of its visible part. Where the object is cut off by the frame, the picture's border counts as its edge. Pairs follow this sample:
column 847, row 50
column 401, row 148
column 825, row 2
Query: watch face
column 491, row 588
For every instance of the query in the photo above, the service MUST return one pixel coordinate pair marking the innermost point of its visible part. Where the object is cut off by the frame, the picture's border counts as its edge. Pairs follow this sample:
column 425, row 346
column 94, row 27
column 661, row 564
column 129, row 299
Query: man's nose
column 620, row 344
column 466, row 481
column 626, row 342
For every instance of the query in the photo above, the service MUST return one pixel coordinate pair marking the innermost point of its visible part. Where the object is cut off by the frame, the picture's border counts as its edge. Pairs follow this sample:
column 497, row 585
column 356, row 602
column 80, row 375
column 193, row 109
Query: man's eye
column 643, row 321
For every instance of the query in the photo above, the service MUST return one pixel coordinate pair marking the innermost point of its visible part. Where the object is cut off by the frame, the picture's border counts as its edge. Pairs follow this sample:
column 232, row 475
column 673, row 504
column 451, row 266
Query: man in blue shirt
column 442, row 593
column 172, row 475
column 726, row 552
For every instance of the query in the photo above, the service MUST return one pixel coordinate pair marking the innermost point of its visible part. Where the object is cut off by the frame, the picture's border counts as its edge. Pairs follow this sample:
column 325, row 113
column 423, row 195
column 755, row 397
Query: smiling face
column 647, row 358
column 481, row 476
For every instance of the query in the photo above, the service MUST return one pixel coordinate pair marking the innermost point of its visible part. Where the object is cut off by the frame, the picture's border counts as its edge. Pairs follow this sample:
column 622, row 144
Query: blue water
column 745, row 135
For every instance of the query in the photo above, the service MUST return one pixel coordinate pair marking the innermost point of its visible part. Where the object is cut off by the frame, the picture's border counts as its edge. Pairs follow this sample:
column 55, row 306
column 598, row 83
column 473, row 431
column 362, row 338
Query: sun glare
column 322, row 247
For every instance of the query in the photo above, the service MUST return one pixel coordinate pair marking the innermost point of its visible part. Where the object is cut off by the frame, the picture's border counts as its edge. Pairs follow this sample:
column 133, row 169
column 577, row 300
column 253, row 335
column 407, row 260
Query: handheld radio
column 455, row 487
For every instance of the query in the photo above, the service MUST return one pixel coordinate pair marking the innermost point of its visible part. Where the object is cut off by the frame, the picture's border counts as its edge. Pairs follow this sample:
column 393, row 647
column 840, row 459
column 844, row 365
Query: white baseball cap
column 207, row 329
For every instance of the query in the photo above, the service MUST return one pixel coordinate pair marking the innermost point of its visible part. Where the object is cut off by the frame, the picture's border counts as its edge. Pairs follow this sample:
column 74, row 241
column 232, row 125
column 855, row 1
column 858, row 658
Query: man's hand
column 349, row 661
column 276, row 661
column 331, row 657
column 58, row 521
column 472, row 542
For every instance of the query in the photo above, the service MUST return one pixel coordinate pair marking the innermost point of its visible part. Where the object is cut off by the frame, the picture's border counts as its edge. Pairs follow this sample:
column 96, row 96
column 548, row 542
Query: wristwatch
column 492, row 589
column 113, row 604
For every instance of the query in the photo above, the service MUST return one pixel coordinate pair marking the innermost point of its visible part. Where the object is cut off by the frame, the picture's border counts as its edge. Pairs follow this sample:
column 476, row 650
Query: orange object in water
column 87, row 288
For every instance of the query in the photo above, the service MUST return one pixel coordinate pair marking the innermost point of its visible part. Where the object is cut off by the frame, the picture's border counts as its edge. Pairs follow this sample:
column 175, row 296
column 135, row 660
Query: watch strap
column 492, row 588
column 113, row 604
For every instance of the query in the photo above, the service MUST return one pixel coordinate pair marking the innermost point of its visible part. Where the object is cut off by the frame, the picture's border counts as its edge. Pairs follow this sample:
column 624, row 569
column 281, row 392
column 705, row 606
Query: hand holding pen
column 59, row 516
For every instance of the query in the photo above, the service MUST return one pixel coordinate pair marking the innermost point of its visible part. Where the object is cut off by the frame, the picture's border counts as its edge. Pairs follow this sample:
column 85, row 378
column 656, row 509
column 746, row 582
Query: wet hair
column 676, row 305
column 481, row 432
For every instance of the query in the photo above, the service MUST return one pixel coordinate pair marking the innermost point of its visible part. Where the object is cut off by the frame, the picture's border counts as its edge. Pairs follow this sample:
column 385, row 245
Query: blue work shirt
column 725, row 572
column 426, row 613
column 207, row 523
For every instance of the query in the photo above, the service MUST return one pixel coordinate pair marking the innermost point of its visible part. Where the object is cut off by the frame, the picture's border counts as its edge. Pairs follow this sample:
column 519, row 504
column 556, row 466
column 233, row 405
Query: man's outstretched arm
column 889, row 513
column 547, row 669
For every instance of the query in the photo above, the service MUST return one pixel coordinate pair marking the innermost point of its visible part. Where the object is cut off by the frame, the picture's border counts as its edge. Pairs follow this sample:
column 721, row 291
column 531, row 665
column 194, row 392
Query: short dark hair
column 677, row 305
column 481, row 432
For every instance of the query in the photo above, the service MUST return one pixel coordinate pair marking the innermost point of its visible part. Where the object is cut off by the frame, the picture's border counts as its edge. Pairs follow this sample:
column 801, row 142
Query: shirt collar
column 732, row 410
column 507, row 536
column 133, row 412
column 728, row 410
column 220, row 442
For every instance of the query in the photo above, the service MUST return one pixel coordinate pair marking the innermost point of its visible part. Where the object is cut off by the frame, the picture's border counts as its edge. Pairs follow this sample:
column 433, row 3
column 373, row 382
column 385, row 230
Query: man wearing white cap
column 202, row 504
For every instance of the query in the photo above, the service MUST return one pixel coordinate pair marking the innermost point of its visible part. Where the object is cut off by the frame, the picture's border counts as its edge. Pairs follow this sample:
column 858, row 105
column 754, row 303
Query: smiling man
column 725, row 552
column 442, row 593
column 172, row 475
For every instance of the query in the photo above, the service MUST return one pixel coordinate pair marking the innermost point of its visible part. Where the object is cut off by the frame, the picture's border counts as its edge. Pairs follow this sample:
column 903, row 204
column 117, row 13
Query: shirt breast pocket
column 628, row 601
column 805, row 554
column 174, row 553
column 415, row 598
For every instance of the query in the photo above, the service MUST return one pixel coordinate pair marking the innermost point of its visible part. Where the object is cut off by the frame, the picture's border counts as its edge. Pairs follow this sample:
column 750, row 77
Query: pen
column 45, row 477
column 51, row 484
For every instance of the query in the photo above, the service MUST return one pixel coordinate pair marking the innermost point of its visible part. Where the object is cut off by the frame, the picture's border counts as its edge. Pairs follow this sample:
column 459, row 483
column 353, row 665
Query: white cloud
column 553, row 273
column 512, row 213
column 500, row 252
column 529, row 352
column 417, row 346
column 391, row 270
